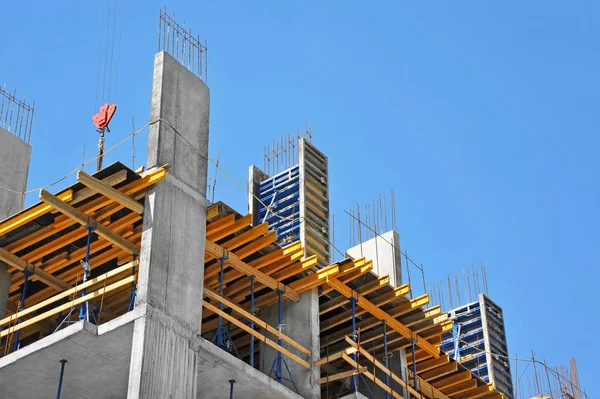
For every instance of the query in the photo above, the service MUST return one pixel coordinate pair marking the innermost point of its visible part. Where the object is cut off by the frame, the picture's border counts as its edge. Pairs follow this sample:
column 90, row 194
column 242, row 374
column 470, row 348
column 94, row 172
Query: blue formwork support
column 279, row 359
column 385, row 357
column 355, row 339
column 414, row 360
column 60, row 380
column 133, row 287
column 219, row 337
column 26, row 273
column 252, row 321
column 84, row 311
column 231, row 382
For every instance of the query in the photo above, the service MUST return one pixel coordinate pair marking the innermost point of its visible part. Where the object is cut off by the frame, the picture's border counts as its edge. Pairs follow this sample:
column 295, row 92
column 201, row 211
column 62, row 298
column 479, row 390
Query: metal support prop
column 84, row 311
column 252, row 321
column 385, row 357
column 60, row 380
column 21, row 307
column 133, row 287
column 355, row 339
column 279, row 360
column 222, row 337
column 279, row 340
column 231, row 382
column 219, row 335
column 414, row 359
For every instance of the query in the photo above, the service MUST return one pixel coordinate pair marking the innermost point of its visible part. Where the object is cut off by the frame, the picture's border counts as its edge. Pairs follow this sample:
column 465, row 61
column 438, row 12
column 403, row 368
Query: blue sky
column 482, row 116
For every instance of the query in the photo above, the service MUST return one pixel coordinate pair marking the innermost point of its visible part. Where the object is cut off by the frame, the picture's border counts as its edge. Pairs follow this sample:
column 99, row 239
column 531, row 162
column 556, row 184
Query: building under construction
column 130, row 284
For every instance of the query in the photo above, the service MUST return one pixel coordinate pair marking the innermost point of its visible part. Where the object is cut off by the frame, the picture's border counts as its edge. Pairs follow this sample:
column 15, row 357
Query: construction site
column 137, row 283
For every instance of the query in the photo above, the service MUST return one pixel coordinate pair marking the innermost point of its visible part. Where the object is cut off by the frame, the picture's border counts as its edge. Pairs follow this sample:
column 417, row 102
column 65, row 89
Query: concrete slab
column 98, row 366
column 356, row 395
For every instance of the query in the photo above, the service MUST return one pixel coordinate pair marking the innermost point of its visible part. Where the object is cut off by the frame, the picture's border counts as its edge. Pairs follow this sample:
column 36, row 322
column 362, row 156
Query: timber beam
column 382, row 315
column 216, row 251
column 110, row 192
column 85, row 220
column 22, row 265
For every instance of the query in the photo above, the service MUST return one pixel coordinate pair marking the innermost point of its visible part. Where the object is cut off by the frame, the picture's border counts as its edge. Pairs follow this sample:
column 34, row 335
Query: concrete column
column 14, row 164
column 165, row 340
column 255, row 177
column 301, row 321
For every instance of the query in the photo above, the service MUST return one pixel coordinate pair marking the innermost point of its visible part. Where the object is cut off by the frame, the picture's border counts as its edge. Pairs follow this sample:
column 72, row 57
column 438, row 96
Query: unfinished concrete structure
column 147, row 292
column 14, row 163
column 479, row 342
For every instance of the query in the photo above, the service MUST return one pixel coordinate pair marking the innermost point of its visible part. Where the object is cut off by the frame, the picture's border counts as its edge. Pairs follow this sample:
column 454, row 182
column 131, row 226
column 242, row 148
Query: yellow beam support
column 386, row 370
column 335, row 356
column 256, row 334
column 212, row 211
column 110, row 192
column 453, row 380
column 432, row 363
column 68, row 292
column 239, row 224
column 372, row 377
column 381, row 300
column 371, row 322
column 20, row 264
column 66, row 306
column 31, row 214
column 262, row 324
column 461, row 388
column 477, row 392
column 365, row 289
column 315, row 279
column 382, row 315
column 234, row 261
column 340, row 376
column 85, row 220
column 439, row 371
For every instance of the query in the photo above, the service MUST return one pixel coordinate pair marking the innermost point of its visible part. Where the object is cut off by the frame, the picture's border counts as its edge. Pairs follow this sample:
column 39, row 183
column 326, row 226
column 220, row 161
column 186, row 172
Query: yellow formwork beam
column 85, row 220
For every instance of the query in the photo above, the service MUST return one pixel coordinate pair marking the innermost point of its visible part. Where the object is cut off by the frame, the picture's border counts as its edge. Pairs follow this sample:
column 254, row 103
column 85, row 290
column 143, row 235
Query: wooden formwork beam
column 380, row 300
column 365, row 289
column 85, row 220
column 260, row 323
column 234, row 261
column 31, row 214
column 109, row 192
column 22, row 265
column 370, row 322
column 66, row 306
column 382, row 315
column 256, row 334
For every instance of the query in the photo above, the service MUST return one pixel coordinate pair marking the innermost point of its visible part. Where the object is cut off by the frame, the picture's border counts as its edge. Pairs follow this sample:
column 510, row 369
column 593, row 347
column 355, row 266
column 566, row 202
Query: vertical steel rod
column 355, row 339
column 83, row 312
column 60, row 380
column 252, row 321
column 385, row 357
column 23, row 296
column 231, row 382
column 280, row 328
column 414, row 359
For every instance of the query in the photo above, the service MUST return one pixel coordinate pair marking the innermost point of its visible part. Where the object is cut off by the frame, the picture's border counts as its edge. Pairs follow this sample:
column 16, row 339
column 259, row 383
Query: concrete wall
column 14, row 165
column 385, row 257
column 164, row 356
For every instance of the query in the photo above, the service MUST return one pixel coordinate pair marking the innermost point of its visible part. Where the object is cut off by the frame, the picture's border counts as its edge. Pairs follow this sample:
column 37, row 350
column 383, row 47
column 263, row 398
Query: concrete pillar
column 255, row 177
column 301, row 321
column 14, row 164
column 164, row 353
